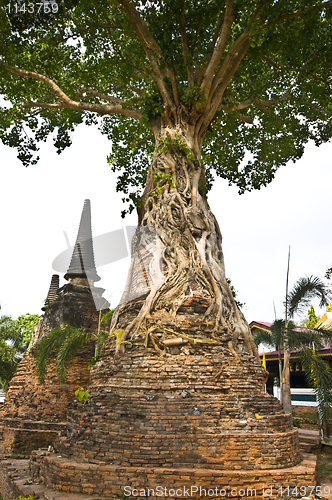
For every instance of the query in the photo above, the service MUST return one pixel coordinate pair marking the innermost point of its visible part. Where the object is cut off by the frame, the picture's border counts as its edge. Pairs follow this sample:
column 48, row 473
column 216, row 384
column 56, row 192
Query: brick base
column 70, row 476
column 15, row 480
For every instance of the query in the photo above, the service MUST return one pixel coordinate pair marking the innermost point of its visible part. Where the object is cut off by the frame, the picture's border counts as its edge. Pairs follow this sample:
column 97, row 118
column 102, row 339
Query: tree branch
column 275, row 65
column 93, row 93
column 266, row 104
column 141, row 28
column 185, row 50
column 239, row 116
column 66, row 101
column 227, row 75
column 227, row 61
column 318, row 78
column 320, row 111
column 297, row 13
column 212, row 46
column 150, row 47
column 136, row 90
column 219, row 49
column 217, row 31
column 174, row 89
column 237, row 105
column 108, row 97
column 233, row 50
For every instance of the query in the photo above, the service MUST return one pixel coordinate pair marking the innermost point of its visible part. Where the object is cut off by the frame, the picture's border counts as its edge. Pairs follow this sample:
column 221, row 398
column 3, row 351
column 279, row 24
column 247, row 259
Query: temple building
column 301, row 393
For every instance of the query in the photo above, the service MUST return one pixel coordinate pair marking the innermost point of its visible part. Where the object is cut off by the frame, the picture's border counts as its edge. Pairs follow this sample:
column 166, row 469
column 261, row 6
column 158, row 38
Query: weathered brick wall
column 138, row 430
column 28, row 399
column 116, row 481
column 140, row 427
column 141, row 413
column 30, row 408
column 8, row 489
column 18, row 441
column 32, row 413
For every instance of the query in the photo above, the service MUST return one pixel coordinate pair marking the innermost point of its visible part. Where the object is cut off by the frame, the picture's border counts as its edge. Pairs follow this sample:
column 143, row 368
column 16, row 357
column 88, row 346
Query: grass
column 324, row 462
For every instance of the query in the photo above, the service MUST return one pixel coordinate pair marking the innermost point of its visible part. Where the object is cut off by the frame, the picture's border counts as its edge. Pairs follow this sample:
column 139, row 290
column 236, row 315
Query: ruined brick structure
column 33, row 414
column 168, row 413
column 195, row 416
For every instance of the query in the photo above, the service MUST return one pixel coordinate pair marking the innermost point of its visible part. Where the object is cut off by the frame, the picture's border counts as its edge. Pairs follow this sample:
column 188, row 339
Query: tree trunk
column 285, row 384
column 176, row 285
column 280, row 372
column 285, row 379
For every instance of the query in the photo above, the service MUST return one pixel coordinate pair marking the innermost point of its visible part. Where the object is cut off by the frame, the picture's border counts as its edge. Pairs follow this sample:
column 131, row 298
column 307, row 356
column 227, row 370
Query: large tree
column 185, row 89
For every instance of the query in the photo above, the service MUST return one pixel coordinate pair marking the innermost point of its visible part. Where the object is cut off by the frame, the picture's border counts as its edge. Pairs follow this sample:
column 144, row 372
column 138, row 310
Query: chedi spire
column 53, row 291
column 82, row 264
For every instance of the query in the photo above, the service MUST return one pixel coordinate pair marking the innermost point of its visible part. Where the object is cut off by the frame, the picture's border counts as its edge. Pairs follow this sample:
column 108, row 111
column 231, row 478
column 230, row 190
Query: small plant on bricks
column 30, row 497
column 82, row 395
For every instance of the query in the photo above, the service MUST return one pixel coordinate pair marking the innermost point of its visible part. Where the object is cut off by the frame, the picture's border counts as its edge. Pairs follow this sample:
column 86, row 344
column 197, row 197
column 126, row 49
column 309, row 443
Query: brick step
column 308, row 439
column 307, row 447
column 309, row 436
column 19, row 423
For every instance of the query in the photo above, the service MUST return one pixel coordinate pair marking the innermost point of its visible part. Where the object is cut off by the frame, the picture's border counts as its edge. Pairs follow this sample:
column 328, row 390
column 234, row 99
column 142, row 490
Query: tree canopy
column 253, row 80
column 15, row 336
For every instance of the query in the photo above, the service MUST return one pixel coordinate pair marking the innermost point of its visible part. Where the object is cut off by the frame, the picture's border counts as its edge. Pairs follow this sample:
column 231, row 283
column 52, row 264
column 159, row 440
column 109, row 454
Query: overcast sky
column 38, row 204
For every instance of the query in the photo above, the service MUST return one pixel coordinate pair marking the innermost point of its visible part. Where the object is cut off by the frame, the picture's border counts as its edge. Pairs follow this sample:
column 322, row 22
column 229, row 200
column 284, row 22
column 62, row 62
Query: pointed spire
column 82, row 263
column 53, row 291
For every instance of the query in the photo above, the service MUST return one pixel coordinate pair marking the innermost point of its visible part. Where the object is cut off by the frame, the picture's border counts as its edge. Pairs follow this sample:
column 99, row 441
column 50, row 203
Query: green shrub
column 297, row 422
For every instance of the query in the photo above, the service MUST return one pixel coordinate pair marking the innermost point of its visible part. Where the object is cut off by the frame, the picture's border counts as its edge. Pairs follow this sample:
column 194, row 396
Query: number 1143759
column 32, row 8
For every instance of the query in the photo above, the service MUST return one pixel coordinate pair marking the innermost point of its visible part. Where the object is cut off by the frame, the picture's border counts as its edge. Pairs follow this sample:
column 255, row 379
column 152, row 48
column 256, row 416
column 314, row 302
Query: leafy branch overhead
column 255, row 79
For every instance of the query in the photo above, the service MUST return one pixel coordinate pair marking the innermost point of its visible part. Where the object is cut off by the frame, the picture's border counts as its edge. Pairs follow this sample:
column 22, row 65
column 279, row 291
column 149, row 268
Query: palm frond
column 102, row 336
column 46, row 349
column 107, row 317
column 277, row 330
column 264, row 337
column 74, row 341
column 304, row 337
column 325, row 335
column 319, row 376
column 302, row 293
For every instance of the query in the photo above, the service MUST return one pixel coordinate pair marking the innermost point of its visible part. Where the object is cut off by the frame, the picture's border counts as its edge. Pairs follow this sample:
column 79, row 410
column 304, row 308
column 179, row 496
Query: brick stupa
column 166, row 416
column 34, row 415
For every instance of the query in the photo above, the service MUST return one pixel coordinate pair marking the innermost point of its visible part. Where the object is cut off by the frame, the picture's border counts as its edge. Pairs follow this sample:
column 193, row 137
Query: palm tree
column 298, row 299
column 319, row 376
column 275, row 337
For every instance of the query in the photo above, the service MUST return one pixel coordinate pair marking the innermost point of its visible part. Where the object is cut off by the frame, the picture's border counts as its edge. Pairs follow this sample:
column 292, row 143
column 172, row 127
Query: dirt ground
column 309, row 420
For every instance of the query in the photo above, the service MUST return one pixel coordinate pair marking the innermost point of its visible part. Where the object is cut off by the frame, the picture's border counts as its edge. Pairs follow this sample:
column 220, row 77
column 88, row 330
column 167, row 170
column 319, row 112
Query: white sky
column 39, row 203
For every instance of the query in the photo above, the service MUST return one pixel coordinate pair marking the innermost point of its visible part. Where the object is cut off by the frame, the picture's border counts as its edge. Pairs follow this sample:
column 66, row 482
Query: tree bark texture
column 176, row 284
column 285, row 385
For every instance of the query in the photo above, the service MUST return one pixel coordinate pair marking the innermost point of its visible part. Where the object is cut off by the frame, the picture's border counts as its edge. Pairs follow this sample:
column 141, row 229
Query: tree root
column 188, row 245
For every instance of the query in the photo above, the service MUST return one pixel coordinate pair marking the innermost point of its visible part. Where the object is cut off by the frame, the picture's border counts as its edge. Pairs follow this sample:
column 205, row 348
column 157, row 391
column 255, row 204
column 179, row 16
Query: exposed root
column 219, row 372
column 188, row 249
column 231, row 348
